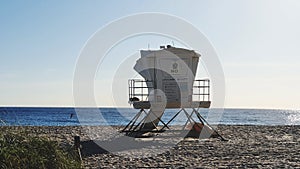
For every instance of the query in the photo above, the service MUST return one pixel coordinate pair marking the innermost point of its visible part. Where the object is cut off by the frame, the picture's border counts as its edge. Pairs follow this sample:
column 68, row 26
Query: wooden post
column 77, row 141
column 77, row 145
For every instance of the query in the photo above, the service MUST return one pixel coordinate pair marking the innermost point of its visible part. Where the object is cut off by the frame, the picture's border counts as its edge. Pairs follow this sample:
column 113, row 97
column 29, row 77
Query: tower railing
column 138, row 90
column 201, row 90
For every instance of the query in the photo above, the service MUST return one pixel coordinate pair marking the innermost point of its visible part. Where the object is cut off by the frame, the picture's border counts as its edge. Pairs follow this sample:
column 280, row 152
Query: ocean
column 41, row 116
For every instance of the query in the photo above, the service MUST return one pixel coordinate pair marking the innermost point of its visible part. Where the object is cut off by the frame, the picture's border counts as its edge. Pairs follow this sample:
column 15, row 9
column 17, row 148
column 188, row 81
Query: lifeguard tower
column 169, row 83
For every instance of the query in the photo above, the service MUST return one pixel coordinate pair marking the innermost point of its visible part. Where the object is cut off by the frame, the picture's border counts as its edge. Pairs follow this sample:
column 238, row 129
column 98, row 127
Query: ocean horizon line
column 111, row 107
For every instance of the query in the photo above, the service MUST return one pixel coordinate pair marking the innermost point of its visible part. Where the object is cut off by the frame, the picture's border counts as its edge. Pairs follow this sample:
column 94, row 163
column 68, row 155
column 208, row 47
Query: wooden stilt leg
column 132, row 121
column 172, row 119
column 199, row 116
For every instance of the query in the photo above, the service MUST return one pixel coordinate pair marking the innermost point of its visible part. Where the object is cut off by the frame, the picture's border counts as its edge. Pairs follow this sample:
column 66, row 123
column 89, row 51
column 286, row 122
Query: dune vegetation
column 23, row 151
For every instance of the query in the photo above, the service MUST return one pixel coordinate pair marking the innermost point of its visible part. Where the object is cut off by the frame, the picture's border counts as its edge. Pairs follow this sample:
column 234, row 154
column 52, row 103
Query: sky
column 257, row 42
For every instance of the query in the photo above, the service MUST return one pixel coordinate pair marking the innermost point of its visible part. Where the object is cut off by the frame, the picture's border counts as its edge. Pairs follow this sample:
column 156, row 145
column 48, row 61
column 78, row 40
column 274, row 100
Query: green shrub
column 20, row 151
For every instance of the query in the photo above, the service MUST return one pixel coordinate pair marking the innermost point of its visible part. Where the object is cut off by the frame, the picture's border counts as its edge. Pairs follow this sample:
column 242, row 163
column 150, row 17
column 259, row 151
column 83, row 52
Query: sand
column 247, row 147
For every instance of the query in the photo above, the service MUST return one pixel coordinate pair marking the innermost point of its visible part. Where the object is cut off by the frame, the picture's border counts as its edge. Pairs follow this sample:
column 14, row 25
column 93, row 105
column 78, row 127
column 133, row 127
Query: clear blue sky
column 257, row 43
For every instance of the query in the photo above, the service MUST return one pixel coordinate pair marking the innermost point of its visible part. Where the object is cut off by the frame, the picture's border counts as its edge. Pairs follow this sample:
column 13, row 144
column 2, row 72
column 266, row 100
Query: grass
column 23, row 151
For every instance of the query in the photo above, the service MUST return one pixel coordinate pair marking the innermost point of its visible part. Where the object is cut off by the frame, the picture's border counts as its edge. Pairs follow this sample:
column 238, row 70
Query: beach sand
column 247, row 147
